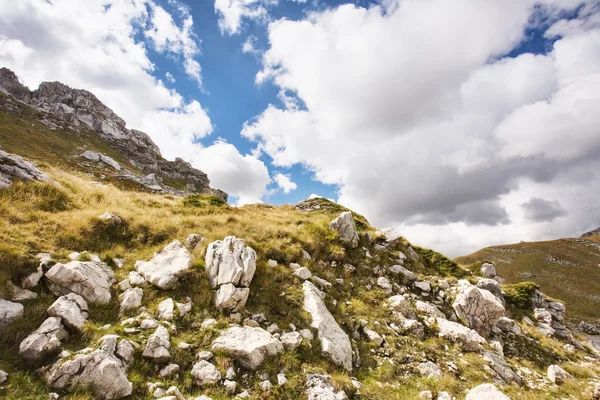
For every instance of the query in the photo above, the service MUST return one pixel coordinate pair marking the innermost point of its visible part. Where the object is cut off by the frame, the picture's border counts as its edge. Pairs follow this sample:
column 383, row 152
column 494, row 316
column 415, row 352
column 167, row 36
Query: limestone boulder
column 9, row 311
column 72, row 309
column 131, row 298
column 204, row 373
column 44, row 342
column 344, row 225
column 249, row 345
column 14, row 167
column 486, row 391
column 335, row 343
column 558, row 375
column 91, row 280
column 469, row 339
column 166, row 267
column 103, row 370
column 158, row 345
column 320, row 387
column 478, row 308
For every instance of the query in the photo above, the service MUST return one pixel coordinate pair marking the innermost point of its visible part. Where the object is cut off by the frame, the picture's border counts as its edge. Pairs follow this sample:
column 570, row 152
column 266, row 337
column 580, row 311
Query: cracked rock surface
column 72, row 309
column 249, row 345
column 90, row 279
column 158, row 346
column 44, row 342
column 166, row 267
column 344, row 225
column 479, row 308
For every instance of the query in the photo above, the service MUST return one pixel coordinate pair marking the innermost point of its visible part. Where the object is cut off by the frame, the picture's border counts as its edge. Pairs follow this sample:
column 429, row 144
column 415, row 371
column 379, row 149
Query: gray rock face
column 80, row 110
column 558, row 375
column 319, row 387
column 486, row 391
column 72, row 309
column 158, row 346
column 468, row 338
column 230, row 267
column 408, row 276
column 43, row 342
column 166, row 267
column 104, row 370
column 131, row 298
column 499, row 365
column 9, row 311
column 493, row 287
column 204, row 374
column 14, row 167
column 249, row 345
column 334, row 341
column 89, row 279
column 192, row 241
column 344, row 225
column 488, row 270
column 479, row 308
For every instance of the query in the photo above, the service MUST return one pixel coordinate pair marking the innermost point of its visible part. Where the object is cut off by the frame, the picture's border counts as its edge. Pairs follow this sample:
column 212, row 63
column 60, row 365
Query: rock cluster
column 14, row 167
column 166, row 267
column 89, row 279
column 344, row 225
column 479, row 308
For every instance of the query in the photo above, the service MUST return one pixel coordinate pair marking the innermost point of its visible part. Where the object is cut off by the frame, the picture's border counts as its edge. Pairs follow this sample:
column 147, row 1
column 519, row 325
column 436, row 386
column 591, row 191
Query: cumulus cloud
column 231, row 13
column 541, row 210
column 249, row 45
column 284, row 182
column 170, row 78
column 95, row 45
column 418, row 114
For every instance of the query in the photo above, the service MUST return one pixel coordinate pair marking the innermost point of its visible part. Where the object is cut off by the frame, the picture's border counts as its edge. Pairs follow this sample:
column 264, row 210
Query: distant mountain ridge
column 60, row 108
column 591, row 233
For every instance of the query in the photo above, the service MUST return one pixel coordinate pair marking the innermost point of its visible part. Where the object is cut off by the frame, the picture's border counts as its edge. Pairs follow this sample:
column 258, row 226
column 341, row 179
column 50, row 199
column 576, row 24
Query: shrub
column 197, row 200
column 520, row 293
column 442, row 264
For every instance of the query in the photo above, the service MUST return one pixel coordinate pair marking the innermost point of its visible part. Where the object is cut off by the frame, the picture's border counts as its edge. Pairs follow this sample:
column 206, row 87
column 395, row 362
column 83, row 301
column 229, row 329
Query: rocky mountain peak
column 591, row 233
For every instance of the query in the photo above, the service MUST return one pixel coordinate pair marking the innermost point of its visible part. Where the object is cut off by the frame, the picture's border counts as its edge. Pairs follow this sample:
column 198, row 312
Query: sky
column 461, row 124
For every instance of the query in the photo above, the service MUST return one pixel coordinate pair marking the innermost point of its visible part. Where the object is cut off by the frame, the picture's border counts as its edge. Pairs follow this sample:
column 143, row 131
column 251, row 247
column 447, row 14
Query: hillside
column 115, row 288
column 567, row 269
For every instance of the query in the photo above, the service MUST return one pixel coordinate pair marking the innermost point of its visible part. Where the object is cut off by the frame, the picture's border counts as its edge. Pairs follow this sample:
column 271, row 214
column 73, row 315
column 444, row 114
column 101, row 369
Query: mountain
column 567, row 269
column 61, row 126
column 119, row 285
column 595, row 232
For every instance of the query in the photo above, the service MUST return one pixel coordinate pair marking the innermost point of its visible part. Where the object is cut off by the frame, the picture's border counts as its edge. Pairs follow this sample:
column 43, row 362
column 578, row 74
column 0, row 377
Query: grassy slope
column 566, row 269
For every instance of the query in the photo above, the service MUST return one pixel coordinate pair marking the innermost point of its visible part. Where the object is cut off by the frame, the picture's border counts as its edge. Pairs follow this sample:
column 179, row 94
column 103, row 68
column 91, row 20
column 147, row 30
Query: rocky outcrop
column 468, row 338
column 591, row 233
column 334, row 341
column 90, row 279
column 248, row 345
column 14, row 167
column 166, row 267
column 80, row 110
column 72, row 309
column 230, row 267
column 43, row 342
column 479, row 308
column 344, row 225
column 103, row 370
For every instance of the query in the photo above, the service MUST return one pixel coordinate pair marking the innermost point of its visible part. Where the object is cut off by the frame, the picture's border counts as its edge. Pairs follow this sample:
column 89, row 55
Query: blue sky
column 461, row 124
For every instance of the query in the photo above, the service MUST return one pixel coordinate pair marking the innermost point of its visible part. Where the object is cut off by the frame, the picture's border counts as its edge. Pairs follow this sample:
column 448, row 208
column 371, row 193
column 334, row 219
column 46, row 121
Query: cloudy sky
column 461, row 123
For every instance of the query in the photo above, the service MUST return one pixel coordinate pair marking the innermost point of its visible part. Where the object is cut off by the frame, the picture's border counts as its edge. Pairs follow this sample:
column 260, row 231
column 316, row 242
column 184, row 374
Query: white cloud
column 249, row 45
column 284, row 182
column 92, row 45
column 231, row 13
column 169, row 77
column 424, row 124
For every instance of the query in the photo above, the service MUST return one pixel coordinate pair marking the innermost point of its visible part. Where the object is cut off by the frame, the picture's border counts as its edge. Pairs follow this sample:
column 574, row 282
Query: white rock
column 135, row 279
column 131, row 298
column 423, row 286
column 499, row 365
column 429, row 309
column 90, row 279
column 72, row 309
column 44, row 341
column 488, row 270
column 204, row 373
column 166, row 267
column 184, row 307
column 294, row 266
column 169, row 370
column 183, row 345
column 486, row 391
column 230, row 297
column 103, row 370
column 334, row 341
column 124, row 285
column 20, row 294
column 272, row 263
column 265, row 386
column 158, row 346
column 321, row 283
column 558, row 375
column 291, row 340
column 204, row 355
column 426, row 395
column 208, row 323
column 281, row 379
column 479, row 308
column 110, row 219
column 400, row 304
column 306, row 334
column 385, row 284
column 413, row 254
column 468, row 338
column 148, row 324
column 373, row 336
column 344, row 225
column 230, row 386
column 31, row 280
column 444, row 396
column 230, row 374
column 408, row 276
column 430, row 370
column 303, row 273
column 9, row 311
column 319, row 387
column 166, row 309
column 3, row 377
column 248, row 345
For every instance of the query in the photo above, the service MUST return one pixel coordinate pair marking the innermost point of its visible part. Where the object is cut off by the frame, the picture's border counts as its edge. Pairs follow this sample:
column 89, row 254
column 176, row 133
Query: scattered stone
column 306, row 334
column 291, row 340
column 103, row 370
column 344, row 225
column 319, row 387
column 303, row 273
column 169, row 370
column 230, row 374
column 558, row 375
column 90, row 279
column 43, row 342
column 422, row 286
column 468, row 338
column 124, row 285
column 9, row 311
column 3, row 377
column 248, row 345
column 408, row 277
column 230, row 386
column 148, row 324
column 204, row 373
column 208, row 323
column 265, row 386
column 166, row 267
column 158, row 346
column 426, row 395
column 400, row 304
column 31, row 280
column 72, row 309
column 373, row 336
column 204, row 355
column 486, row 391
column 429, row 309
column 281, row 379
column 272, row 263
column 192, row 241
column 166, row 308
column 183, row 345
column 12, row 166
column 110, row 219
column 430, row 370
column 131, row 298
column 385, row 284
column 321, row 283
column 413, row 254
column 499, row 365
column 273, row 328
column 184, row 307
column 334, row 341
column 20, row 294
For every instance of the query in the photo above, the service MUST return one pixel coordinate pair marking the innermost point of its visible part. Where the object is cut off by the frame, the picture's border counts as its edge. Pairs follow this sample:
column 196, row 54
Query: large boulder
column 249, row 345
column 14, row 167
column 334, row 341
column 89, row 279
column 44, row 342
column 468, row 338
column 9, row 311
column 158, row 346
column 344, row 225
column 166, row 267
column 478, row 308
column 486, row 391
column 230, row 267
column 103, row 370
column 72, row 309
column 558, row 375
column 131, row 298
